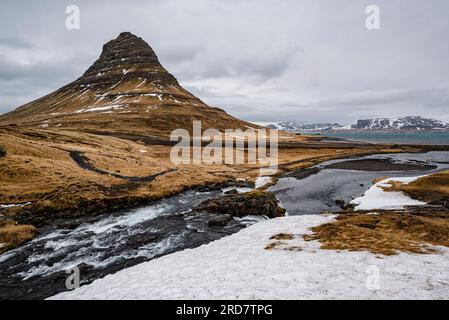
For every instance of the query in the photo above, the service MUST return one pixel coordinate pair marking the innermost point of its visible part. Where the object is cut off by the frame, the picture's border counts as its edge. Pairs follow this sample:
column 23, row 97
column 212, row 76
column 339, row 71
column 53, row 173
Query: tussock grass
column 386, row 233
column 430, row 189
column 13, row 235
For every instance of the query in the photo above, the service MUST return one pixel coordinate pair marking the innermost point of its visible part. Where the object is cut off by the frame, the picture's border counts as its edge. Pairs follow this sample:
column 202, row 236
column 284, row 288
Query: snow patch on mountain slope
column 411, row 123
column 105, row 108
column 298, row 126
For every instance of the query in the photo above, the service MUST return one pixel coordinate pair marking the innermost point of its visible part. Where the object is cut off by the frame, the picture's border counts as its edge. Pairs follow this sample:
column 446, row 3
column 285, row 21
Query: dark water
column 108, row 243
column 317, row 193
column 432, row 138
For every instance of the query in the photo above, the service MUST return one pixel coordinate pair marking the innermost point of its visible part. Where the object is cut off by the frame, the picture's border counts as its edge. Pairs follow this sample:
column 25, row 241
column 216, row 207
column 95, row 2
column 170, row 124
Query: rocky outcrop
column 344, row 206
column 126, row 57
column 257, row 203
column 220, row 221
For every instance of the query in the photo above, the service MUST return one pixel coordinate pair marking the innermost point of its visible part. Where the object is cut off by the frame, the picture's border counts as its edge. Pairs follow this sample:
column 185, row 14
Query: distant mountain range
column 412, row 123
column 405, row 124
column 297, row 126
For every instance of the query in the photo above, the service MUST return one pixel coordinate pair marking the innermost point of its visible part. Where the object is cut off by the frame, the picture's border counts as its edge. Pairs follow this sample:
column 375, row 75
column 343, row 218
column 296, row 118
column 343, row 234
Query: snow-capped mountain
column 297, row 126
column 401, row 124
column 412, row 123
column 125, row 90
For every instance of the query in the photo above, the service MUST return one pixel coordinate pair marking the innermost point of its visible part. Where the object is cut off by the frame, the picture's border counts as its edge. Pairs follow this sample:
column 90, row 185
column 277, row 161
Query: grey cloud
column 16, row 43
column 20, row 84
column 260, row 66
column 428, row 97
column 348, row 108
column 262, row 60
column 211, row 92
column 9, row 70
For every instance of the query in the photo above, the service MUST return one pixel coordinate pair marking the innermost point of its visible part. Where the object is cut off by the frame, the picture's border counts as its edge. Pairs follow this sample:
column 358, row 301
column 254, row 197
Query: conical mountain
column 126, row 90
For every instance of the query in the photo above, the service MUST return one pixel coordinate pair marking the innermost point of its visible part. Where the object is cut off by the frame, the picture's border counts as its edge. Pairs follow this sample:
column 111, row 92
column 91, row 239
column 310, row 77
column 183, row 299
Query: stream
column 110, row 242
column 317, row 193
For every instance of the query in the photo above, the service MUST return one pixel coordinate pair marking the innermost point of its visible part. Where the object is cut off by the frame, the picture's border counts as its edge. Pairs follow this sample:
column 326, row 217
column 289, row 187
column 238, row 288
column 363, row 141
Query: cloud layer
column 261, row 60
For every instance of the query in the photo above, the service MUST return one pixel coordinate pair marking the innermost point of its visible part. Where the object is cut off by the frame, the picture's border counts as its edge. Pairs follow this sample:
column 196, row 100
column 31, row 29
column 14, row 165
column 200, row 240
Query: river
column 108, row 243
column 318, row 192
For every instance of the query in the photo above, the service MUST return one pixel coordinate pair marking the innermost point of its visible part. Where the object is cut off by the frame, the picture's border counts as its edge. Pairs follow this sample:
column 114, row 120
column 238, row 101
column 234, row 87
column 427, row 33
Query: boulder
column 257, row 203
column 220, row 221
column 343, row 205
column 233, row 191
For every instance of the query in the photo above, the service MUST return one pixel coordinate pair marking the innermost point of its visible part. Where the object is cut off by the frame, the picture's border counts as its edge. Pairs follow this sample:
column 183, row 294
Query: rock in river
column 256, row 203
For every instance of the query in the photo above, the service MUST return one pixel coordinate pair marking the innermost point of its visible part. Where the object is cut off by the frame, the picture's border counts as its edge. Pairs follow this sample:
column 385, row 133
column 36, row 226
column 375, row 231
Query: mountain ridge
column 408, row 123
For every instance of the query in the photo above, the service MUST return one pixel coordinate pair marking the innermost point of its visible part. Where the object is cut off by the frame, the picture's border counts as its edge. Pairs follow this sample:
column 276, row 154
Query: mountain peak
column 124, row 58
column 125, row 90
column 126, row 34
column 120, row 46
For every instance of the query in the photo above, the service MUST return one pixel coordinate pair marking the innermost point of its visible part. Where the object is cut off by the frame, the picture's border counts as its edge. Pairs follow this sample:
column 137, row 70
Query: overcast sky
column 260, row 60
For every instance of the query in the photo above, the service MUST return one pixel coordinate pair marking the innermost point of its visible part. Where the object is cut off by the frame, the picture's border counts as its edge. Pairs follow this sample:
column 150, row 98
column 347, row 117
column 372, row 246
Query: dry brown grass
column 296, row 158
column 386, row 233
column 379, row 179
column 280, row 245
column 280, row 242
column 38, row 168
column 13, row 235
column 430, row 189
column 283, row 236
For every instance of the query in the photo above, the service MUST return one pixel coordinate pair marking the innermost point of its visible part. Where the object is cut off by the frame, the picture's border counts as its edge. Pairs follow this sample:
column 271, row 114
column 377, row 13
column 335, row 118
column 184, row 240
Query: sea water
column 439, row 138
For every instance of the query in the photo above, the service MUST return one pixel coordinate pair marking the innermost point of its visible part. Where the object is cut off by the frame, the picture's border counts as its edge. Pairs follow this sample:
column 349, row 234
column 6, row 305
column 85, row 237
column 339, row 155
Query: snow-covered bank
column 14, row 205
column 239, row 267
column 263, row 181
column 376, row 198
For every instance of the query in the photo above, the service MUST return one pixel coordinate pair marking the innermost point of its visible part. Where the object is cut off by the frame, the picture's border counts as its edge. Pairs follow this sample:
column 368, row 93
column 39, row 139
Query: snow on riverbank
column 376, row 198
column 14, row 205
column 263, row 181
column 239, row 267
